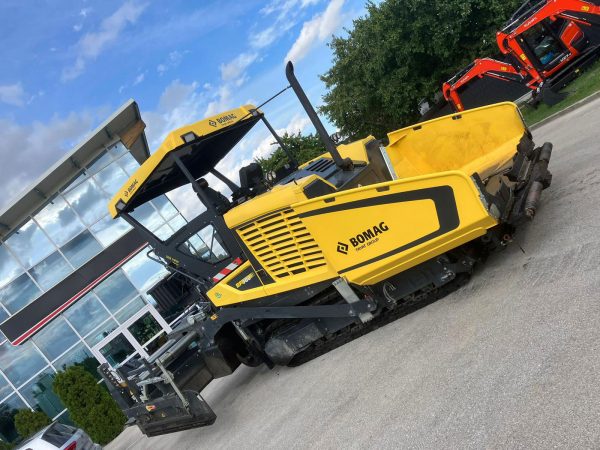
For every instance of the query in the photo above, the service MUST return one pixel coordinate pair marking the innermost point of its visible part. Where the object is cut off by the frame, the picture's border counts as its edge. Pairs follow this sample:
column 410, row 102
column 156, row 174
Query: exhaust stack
column 343, row 163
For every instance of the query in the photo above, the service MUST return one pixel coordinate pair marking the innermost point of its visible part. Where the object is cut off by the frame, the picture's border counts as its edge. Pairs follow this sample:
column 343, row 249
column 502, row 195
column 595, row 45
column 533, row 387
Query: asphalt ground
column 511, row 360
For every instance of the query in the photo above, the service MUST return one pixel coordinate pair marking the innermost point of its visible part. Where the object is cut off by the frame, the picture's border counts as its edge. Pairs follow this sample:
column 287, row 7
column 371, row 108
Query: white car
column 58, row 436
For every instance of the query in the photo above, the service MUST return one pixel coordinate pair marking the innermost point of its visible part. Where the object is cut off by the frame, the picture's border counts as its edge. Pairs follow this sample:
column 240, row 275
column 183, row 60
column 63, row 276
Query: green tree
column 28, row 422
column 7, row 423
column 304, row 148
column 90, row 406
column 401, row 52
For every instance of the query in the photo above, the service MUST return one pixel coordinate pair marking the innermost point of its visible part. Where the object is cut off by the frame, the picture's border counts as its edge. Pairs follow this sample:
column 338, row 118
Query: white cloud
column 172, row 61
column 94, row 43
column 139, row 79
column 179, row 105
column 84, row 12
column 285, row 7
column 264, row 38
column 236, row 67
column 316, row 30
column 77, row 27
column 221, row 103
column 40, row 145
column 306, row 3
column 12, row 94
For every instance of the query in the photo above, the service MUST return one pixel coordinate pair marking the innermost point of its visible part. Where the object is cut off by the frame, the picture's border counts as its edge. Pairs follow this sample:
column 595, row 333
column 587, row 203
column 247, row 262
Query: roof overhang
column 125, row 124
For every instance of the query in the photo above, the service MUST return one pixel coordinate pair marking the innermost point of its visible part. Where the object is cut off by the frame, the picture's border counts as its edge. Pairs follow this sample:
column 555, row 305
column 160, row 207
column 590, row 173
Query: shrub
column 90, row 406
column 28, row 422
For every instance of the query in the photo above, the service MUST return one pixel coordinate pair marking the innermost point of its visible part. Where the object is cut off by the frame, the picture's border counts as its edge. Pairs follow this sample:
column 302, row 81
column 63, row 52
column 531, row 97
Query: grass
column 581, row 87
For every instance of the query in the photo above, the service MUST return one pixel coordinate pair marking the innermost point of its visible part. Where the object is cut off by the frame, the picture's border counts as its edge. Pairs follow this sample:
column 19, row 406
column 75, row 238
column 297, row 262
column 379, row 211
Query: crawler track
column 382, row 318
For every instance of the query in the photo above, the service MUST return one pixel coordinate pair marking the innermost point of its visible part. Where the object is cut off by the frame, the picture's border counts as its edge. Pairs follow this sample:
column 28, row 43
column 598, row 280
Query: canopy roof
column 200, row 146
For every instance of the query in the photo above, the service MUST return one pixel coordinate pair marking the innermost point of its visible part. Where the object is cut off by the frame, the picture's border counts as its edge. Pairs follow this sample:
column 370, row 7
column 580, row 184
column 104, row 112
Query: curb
column 568, row 109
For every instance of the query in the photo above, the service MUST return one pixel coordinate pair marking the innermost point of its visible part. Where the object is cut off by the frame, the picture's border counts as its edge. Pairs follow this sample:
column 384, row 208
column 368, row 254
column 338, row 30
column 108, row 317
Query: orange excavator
column 545, row 47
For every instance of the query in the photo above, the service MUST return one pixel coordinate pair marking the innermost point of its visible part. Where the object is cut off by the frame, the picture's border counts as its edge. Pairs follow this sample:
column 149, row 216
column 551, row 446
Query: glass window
column 99, row 164
column 9, row 267
column 116, row 291
column 65, row 419
column 8, row 409
column 117, row 150
column 59, row 221
column 30, row 244
column 89, row 201
column 205, row 245
column 76, row 181
column 164, row 232
column 130, row 309
column 143, row 272
column 18, row 293
column 145, row 328
column 5, row 388
column 177, row 222
column 81, row 356
column 111, row 178
column 164, row 206
column 86, row 314
column 81, row 249
column 117, row 350
column 108, row 230
column 55, row 338
column 39, row 394
column 101, row 332
column 147, row 216
column 51, row 270
column 58, row 434
column 129, row 163
column 20, row 363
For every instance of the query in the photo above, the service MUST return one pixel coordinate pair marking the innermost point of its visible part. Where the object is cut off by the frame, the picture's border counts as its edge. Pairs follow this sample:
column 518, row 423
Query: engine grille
column 282, row 244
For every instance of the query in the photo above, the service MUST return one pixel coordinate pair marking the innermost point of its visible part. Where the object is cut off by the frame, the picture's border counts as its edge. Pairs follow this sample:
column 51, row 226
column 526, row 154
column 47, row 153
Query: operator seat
column 252, row 180
column 218, row 200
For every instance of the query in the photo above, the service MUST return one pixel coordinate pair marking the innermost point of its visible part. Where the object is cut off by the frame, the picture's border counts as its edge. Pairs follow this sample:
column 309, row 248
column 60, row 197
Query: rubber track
column 385, row 316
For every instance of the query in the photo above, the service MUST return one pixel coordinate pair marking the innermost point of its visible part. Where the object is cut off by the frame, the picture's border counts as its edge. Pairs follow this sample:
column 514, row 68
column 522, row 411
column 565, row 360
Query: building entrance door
column 140, row 336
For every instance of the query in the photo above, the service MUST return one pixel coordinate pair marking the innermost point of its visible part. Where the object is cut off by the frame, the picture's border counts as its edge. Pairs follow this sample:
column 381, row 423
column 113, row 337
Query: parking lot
column 512, row 360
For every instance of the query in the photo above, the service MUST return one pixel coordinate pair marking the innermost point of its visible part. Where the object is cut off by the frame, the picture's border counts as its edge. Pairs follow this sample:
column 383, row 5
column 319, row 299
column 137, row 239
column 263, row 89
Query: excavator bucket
column 550, row 97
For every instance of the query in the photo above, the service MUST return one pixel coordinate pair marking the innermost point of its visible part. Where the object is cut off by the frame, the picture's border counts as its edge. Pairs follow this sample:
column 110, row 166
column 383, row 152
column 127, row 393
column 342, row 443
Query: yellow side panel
column 366, row 234
column 281, row 196
column 481, row 140
column 356, row 151
column 224, row 293
column 371, row 233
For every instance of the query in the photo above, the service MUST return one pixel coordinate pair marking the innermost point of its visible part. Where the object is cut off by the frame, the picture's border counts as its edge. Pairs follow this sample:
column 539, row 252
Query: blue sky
column 66, row 68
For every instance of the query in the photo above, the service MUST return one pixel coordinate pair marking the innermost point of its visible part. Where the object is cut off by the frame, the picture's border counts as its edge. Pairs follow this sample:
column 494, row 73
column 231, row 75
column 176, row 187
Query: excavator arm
column 484, row 67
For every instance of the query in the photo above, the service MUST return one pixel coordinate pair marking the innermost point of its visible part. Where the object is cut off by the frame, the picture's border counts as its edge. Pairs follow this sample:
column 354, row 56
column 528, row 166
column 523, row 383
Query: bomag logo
column 244, row 280
column 130, row 188
column 226, row 118
column 363, row 239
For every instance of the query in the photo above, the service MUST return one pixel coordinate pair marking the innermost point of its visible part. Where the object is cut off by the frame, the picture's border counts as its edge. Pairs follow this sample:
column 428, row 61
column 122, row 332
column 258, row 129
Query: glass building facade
column 114, row 321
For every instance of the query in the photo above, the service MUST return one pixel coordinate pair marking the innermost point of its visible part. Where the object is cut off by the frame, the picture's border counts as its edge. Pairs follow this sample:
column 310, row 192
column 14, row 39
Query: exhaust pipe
column 541, row 180
column 343, row 163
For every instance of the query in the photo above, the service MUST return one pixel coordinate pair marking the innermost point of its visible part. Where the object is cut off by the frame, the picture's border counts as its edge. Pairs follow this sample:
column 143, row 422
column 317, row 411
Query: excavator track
column 383, row 317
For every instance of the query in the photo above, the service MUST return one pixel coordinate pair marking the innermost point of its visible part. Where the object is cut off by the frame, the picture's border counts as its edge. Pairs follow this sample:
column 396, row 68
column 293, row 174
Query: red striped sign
column 227, row 270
